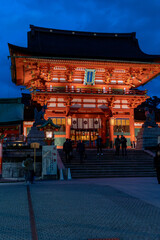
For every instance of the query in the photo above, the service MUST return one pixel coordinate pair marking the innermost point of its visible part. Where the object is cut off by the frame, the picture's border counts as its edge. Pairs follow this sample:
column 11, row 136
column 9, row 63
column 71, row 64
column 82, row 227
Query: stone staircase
column 137, row 163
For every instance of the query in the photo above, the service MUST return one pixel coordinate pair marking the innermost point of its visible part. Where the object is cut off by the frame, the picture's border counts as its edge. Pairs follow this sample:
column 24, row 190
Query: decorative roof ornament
column 48, row 124
column 39, row 116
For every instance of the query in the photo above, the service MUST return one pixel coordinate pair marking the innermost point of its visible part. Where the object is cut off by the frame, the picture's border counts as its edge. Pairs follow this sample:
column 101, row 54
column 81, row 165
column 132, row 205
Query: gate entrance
column 88, row 136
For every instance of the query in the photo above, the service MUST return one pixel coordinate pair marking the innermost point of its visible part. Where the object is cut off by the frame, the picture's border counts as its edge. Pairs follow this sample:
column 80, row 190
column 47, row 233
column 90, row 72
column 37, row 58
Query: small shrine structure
column 49, row 128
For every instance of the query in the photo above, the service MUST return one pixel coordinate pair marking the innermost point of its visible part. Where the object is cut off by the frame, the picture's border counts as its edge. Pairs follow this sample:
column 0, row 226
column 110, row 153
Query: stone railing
column 90, row 91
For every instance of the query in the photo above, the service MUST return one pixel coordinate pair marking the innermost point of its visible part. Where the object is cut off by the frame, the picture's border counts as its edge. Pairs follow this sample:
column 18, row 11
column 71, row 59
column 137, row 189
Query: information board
column 49, row 160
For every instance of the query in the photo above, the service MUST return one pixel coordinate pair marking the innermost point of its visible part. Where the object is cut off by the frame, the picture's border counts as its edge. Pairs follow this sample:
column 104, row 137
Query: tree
column 152, row 103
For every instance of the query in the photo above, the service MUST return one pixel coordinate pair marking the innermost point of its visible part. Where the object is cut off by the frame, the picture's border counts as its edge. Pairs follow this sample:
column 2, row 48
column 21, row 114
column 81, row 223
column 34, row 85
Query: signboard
column 35, row 145
column 158, row 139
column 49, row 160
column 89, row 78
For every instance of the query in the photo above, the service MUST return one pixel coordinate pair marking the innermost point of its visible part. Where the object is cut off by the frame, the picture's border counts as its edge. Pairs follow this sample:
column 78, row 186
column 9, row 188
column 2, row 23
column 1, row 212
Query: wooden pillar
column 68, row 121
column 111, row 132
column 68, row 127
column 131, row 122
column 103, row 132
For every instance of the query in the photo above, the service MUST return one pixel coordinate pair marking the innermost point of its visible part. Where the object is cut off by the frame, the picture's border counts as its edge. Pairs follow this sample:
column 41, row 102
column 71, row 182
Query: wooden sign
column 35, row 145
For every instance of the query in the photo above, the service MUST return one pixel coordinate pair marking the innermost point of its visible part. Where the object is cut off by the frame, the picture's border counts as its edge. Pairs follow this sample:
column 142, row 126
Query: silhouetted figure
column 70, row 149
column 157, row 163
column 28, row 169
column 81, row 150
column 117, row 145
column 124, row 145
column 99, row 145
column 67, row 149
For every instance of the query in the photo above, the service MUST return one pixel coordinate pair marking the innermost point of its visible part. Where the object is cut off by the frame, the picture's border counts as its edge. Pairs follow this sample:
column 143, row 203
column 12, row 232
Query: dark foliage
column 151, row 103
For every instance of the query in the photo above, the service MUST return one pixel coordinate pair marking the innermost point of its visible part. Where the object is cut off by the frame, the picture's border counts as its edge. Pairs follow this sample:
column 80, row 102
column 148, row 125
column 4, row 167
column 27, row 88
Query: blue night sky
column 119, row 16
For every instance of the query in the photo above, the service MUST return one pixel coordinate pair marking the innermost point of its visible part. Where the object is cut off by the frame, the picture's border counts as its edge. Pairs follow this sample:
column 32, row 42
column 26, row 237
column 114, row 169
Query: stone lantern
column 49, row 128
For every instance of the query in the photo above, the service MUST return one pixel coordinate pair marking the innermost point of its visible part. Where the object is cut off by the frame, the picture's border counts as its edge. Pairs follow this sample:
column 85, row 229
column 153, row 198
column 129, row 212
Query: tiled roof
column 86, row 45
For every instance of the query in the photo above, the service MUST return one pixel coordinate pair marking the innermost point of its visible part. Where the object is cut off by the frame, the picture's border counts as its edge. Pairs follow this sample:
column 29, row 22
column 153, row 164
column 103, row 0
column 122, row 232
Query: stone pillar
column 111, row 132
column 131, row 122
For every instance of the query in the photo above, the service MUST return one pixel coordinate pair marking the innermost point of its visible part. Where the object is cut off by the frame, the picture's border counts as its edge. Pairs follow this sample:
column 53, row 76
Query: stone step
column 136, row 163
column 110, row 176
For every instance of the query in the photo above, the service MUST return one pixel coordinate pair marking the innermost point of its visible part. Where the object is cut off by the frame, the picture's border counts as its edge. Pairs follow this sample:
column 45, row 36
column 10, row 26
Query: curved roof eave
column 23, row 52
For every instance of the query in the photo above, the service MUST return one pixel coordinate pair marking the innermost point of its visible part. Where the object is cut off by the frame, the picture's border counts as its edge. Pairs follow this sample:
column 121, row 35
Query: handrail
column 91, row 91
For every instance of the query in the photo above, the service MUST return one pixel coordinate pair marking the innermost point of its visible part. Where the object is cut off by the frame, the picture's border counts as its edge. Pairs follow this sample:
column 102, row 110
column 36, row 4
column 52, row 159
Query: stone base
column 147, row 137
column 36, row 135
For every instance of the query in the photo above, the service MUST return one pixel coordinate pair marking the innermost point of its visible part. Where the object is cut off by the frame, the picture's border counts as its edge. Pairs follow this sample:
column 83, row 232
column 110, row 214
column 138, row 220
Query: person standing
column 70, row 150
column 157, row 163
column 117, row 145
column 28, row 169
column 66, row 149
column 99, row 146
column 81, row 150
column 124, row 145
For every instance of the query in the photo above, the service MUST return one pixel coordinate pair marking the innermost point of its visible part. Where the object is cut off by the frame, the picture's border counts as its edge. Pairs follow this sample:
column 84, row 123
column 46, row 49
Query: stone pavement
column 124, row 208
column 14, row 216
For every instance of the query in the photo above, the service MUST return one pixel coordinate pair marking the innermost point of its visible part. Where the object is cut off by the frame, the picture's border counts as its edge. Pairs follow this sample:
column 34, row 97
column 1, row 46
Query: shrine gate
column 88, row 80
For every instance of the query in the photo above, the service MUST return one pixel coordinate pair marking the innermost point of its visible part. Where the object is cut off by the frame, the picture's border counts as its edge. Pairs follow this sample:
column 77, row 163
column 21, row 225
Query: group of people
column 121, row 142
column 68, row 150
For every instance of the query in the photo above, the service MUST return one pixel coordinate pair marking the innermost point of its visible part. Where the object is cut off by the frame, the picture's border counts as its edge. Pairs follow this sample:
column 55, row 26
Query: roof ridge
column 75, row 32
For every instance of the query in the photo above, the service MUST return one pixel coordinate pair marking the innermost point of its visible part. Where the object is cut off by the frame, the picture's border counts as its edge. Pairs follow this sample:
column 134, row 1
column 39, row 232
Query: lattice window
column 121, row 125
column 61, row 122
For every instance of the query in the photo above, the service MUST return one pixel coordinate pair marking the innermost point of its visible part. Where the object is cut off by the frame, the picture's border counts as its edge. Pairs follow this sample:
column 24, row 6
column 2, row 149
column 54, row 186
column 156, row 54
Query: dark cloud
column 137, row 16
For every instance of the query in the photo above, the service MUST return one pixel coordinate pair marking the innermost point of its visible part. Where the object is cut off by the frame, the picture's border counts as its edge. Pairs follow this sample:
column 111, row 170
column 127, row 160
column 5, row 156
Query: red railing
column 91, row 91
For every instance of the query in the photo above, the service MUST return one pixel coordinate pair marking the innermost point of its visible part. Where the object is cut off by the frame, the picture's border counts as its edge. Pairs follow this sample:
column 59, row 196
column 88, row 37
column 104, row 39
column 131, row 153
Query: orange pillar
column 111, row 132
column 68, row 127
column 103, row 132
column 68, row 122
column 132, row 131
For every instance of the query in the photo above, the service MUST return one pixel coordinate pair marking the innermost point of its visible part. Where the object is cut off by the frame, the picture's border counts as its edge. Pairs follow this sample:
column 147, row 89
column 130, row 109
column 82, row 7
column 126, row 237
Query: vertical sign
column 89, row 78
column 0, row 158
column 49, row 160
column 35, row 145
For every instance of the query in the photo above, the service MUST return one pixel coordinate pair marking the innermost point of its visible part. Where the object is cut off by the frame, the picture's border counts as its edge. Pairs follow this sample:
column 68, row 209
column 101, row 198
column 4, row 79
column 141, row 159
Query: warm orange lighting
column 49, row 134
column 69, row 121
column 112, row 121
